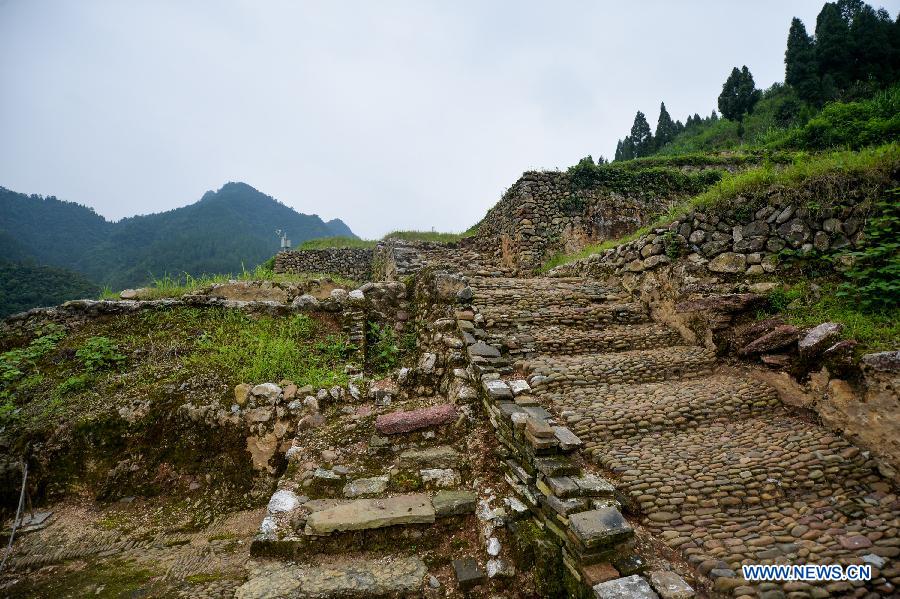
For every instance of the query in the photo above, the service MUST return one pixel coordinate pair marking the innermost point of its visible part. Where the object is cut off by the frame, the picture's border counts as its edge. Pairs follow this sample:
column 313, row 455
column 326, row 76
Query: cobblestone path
column 708, row 459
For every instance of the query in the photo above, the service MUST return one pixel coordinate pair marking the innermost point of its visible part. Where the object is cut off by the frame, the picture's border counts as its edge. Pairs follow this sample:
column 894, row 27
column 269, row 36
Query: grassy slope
column 61, row 374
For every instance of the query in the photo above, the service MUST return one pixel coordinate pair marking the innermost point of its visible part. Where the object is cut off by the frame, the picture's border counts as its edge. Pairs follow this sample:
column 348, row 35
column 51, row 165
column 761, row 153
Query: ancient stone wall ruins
column 352, row 263
column 742, row 240
column 542, row 214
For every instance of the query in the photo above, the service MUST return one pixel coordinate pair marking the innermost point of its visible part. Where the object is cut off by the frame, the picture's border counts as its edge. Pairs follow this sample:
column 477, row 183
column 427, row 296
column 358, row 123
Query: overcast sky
column 388, row 115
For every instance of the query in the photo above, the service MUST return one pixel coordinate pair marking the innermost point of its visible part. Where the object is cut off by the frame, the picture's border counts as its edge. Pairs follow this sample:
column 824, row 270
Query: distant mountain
column 226, row 230
column 339, row 229
column 24, row 286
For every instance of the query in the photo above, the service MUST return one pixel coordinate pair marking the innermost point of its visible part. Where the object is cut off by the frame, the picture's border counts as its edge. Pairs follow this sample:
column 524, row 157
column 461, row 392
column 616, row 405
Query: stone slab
column 498, row 389
column 670, row 585
column 630, row 587
column 442, row 456
column 600, row 528
column 555, row 466
column 404, row 422
column 594, row 486
column 453, row 503
column 468, row 573
column 483, row 350
column 357, row 578
column 366, row 486
column 365, row 514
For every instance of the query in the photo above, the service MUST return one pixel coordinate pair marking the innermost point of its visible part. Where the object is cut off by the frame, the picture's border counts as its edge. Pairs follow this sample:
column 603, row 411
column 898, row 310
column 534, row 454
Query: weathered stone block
column 600, row 528
column 632, row 587
column 364, row 514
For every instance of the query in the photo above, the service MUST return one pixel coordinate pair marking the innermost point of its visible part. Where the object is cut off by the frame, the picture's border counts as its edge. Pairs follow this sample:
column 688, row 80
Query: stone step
column 731, row 463
column 636, row 366
column 595, row 316
column 364, row 514
column 385, row 577
column 567, row 340
column 295, row 525
column 607, row 411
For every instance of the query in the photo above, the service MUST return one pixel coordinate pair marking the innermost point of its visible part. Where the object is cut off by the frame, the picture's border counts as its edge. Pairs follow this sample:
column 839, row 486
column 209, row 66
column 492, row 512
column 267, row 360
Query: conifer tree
column 666, row 130
column 800, row 69
column 641, row 136
column 832, row 47
column 739, row 95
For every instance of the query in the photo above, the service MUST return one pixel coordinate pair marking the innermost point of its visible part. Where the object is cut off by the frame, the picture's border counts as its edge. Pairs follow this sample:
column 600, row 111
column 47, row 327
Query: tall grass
column 265, row 349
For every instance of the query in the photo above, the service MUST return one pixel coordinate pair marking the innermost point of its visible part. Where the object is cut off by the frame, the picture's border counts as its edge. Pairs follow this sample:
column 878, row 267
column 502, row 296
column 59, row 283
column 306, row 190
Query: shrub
column 874, row 277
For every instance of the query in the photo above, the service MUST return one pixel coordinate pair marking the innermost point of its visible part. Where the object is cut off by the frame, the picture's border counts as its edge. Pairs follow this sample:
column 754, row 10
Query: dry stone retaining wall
column 353, row 263
column 543, row 213
column 743, row 241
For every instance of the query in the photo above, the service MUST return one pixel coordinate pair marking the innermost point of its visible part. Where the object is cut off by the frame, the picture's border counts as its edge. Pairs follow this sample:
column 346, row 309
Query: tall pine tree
column 641, row 136
column 666, row 129
column 832, row 50
column 800, row 68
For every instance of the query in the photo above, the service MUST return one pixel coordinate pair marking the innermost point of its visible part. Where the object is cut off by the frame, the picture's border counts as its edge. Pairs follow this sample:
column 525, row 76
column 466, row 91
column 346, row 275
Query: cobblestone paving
column 708, row 459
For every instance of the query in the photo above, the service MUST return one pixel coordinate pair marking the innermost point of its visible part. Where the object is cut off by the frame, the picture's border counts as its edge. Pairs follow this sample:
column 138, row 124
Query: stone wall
column 352, row 263
column 542, row 214
column 740, row 241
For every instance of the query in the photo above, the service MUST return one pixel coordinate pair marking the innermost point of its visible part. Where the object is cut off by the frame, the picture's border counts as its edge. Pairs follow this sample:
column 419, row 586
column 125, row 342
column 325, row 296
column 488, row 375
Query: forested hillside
column 24, row 286
column 840, row 90
column 225, row 231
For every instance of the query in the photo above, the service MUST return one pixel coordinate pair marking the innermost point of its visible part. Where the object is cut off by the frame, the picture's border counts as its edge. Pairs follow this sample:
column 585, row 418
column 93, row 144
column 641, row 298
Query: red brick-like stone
column 404, row 422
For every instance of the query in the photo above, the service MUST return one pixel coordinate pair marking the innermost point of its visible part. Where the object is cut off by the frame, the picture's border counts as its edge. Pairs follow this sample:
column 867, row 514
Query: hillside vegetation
column 224, row 232
column 26, row 285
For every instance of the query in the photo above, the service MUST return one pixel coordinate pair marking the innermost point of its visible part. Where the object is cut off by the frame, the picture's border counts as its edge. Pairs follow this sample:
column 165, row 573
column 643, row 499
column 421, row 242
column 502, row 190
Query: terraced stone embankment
column 703, row 456
column 386, row 496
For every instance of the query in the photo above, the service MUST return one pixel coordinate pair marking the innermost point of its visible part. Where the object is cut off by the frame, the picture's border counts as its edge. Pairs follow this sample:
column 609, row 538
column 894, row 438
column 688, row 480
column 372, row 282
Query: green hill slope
column 24, row 286
column 225, row 231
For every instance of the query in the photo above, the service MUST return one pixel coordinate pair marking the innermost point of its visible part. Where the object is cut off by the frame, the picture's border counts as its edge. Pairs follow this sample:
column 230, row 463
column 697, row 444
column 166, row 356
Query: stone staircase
column 369, row 493
column 703, row 456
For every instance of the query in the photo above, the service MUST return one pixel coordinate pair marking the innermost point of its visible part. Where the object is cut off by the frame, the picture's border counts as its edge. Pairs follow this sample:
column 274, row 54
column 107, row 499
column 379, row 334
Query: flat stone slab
column 366, row 486
column 630, row 587
column 670, row 585
column 594, row 486
column 442, row 456
column 600, row 528
column 357, row 578
column 404, row 422
column 453, row 503
column 483, row 350
column 498, row 389
column 365, row 514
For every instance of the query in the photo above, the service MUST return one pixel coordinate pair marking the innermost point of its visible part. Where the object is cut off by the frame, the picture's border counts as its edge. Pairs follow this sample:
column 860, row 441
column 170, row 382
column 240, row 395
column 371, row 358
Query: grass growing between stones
column 271, row 349
column 432, row 236
column 106, row 580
